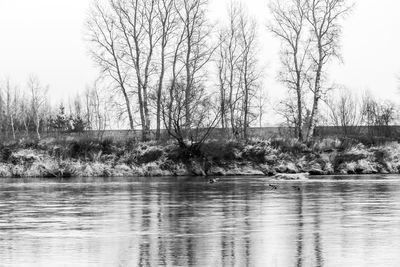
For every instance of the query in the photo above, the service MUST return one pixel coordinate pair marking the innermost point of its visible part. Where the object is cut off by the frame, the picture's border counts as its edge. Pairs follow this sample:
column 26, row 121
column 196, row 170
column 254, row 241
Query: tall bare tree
column 167, row 17
column 141, row 33
column 107, row 52
column 238, row 72
column 289, row 25
column 38, row 101
column 12, row 106
column 261, row 103
column 178, row 39
column 324, row 17
column 222, row 79
column 344, row 110
column 248, row 67
column 204, row 118
column 197, row 50
column 229, row 57
column 286, row 108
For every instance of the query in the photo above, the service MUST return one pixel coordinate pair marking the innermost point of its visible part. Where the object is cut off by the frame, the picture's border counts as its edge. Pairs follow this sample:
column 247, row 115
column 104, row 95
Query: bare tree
column 286, row 108
column 229, row 56
column 7, row 108
column 375, row 112
column 167, row 17
column 197, row 50
column 176, row 40
column 24, row 114
column 88, row 108
column 97, row 107
column 107, row 52
column 38, row 101
column 222, row 80
column 261, row 103
column 289, row 25
column 324, row 17
column 140, row 30
column 12, row 106
column 343, row 110
column 238, row 72
column 248, row 67
column 203, row 118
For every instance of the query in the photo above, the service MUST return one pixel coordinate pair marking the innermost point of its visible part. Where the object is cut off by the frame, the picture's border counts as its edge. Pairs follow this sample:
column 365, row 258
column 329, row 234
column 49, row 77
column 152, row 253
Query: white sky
column 45, row 37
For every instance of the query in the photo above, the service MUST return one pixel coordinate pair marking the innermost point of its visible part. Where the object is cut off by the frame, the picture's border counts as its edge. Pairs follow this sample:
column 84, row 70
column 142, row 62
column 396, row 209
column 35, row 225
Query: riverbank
column 89, row 158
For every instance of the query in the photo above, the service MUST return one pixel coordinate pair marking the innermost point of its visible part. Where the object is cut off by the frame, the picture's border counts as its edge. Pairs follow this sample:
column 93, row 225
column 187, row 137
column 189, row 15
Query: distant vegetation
column 164, row 66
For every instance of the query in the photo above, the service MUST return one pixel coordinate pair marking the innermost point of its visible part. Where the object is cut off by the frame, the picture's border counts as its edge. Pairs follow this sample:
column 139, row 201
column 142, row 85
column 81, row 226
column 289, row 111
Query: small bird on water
column 296, row 188
column 273, row 186
column 212, row 180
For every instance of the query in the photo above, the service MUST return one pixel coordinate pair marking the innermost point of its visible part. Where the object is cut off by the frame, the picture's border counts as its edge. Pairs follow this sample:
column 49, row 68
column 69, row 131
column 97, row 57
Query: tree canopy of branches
column 238, row 71
column 310, row 32
column 204, row 118
column 344, row 110
column 324, row 17
column 290, row 27
column 26, row 112
column 375, row 112
column 136, row 41
column 107, row 51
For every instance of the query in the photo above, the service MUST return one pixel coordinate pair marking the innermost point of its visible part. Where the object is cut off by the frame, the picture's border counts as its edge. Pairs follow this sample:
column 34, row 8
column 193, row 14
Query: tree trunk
column 246, row 98
column 246, row 112
column 122, row 85
column 313, row 118
column 317, row 96
column 159, row 91
column 223, row 111
column 38, row 127
column 128, row 107
column 12, row 126
column 189, row 40
column 188, row 84
column 299, row 114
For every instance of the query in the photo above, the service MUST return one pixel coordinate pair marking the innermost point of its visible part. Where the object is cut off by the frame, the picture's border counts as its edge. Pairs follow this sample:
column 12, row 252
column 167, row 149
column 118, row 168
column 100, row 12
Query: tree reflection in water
column 189, row 222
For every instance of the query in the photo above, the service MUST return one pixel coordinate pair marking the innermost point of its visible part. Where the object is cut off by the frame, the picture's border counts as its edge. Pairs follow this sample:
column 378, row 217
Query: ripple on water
column 326, row 221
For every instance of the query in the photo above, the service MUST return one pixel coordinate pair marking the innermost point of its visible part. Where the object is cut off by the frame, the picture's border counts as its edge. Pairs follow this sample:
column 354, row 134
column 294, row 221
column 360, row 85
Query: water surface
column 329, row 221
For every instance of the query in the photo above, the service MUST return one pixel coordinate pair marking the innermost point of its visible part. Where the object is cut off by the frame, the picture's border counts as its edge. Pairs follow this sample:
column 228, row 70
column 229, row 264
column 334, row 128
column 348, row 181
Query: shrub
column 131, row 143
column 346, row 158
column 83, row 148
column 289, row 145
column 381, row 156
column 218, row 150
column 5, row 153
column 107, row 146
column 149, row 155
column 325, row 145
column 347, row 143
column 177, row 154
column 29, row 144
column 255, row 153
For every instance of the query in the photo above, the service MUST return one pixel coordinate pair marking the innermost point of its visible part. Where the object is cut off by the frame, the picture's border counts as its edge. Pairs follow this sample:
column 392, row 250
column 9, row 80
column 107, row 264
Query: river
column 237, row 221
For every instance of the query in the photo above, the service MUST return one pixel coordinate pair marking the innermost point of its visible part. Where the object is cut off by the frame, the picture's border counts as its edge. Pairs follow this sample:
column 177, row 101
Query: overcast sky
column 45, row 37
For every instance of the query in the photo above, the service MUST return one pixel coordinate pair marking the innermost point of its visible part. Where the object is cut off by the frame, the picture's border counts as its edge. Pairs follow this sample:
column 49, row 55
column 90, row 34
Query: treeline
column 347, row 110
column 27, row 110
column 23, row 110
column 171, row 66
column 310, row 32
column 165, row 65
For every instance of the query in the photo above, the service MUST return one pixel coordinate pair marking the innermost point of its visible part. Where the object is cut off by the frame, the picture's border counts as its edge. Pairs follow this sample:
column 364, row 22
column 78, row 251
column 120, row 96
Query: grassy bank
column 84, row 158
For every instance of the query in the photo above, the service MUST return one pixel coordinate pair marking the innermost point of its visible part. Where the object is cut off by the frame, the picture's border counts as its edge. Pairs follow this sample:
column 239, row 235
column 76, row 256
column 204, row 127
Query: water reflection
column 188, row 222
